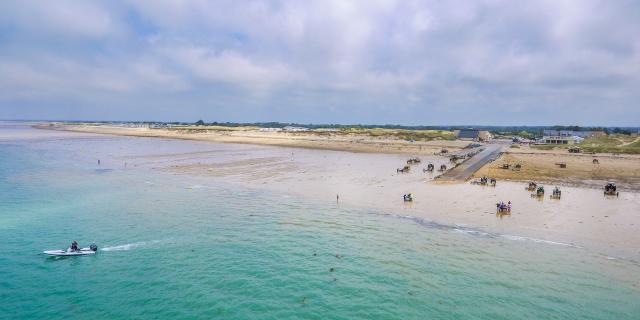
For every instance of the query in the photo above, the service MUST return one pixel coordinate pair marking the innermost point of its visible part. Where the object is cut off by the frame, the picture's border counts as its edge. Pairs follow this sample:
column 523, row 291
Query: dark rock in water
column 332, row 270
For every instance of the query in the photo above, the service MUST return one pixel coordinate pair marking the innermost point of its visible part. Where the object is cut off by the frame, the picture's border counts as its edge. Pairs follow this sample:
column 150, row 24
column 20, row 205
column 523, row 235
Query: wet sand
column 582, row 218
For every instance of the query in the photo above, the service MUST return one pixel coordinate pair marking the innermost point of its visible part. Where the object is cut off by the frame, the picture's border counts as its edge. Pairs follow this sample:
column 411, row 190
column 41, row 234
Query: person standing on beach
column 98, row 161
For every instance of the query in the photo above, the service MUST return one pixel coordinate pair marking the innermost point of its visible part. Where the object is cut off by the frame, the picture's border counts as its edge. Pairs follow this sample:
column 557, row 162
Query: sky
column 406, row 62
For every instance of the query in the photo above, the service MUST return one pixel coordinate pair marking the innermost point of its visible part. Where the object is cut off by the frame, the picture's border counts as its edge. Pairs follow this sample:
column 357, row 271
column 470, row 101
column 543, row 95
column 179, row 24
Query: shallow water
column 174, row 246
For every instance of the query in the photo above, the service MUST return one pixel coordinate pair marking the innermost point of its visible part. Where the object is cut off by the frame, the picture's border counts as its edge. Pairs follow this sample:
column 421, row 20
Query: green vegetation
column 206, row 127
column 548, row 146
column 527, row 132
column 408, row 135
column 615, row 143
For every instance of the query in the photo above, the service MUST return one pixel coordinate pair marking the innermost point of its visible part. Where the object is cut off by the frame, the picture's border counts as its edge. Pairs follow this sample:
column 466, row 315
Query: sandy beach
column 313, row 140
column 580, row 170
column 582, row 218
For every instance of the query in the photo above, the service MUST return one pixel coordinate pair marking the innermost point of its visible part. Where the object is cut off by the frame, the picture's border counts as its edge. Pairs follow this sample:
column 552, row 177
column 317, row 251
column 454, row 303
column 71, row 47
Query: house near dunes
column 473, row 134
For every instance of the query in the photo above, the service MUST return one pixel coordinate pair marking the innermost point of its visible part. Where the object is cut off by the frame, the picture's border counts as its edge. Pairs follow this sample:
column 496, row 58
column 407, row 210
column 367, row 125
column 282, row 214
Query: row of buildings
column 567, row 136
column 548, row 136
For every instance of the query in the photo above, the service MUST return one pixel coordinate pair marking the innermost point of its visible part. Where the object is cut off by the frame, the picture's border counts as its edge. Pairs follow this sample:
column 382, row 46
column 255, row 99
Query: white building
column 561, row 139
column 290, row 128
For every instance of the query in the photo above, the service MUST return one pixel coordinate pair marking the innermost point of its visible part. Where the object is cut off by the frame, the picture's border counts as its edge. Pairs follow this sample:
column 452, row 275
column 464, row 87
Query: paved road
column 464, row 171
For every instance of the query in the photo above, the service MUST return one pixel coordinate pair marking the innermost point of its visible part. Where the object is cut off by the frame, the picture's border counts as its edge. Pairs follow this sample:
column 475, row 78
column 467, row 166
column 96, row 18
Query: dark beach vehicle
column 539, row 192
column 532, row 186
column 483, row 181
column 610, row 189
column 405, row 169
column 556, row 193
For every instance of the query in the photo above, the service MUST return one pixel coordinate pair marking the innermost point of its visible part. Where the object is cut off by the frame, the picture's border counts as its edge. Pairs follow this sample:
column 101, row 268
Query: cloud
column 429, row 62
column 232, row 68
column 62, row 18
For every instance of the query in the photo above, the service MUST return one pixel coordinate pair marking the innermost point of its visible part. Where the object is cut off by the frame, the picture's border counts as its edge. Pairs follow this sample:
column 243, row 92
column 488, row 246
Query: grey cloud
column 325, row 61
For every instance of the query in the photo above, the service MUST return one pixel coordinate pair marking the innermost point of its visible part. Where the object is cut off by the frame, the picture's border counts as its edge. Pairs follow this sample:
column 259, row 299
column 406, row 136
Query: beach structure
column 572, row 133
column 295, row 129
column 567, row 136
column 473, row 134
column 561, row 139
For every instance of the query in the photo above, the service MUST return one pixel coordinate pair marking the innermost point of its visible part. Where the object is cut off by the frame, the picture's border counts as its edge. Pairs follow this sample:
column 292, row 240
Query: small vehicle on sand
column 556, row 194
column 610, row 189
column 405, row 169
column 502, row 207
column 532, row 186
column 539, row 192
column 429, row 168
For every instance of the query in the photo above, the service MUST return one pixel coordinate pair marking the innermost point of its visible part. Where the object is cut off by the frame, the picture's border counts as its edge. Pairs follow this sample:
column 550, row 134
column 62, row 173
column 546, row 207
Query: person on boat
column 74, row 246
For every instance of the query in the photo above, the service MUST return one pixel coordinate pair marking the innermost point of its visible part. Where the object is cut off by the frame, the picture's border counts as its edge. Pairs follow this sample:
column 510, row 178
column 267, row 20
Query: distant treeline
column 532, row 130
column 527, row 131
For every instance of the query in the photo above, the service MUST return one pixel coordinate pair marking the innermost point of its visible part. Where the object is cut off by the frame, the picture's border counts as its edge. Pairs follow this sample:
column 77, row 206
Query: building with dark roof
column 469, row 134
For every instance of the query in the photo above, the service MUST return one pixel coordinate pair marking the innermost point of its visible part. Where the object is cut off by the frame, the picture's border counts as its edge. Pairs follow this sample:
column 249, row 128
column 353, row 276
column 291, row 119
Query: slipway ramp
column 465, row 170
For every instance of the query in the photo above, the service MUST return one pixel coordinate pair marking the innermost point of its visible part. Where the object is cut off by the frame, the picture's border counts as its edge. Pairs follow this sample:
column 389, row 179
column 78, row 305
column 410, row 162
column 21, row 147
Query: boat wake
column 129, row 246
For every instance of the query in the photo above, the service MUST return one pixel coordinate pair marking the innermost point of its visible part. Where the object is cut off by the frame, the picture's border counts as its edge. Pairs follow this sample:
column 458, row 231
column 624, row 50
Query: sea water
column 181, row 247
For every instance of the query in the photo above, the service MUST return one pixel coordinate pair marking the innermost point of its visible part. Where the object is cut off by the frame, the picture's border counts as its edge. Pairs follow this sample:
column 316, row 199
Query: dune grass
column 548, row 146
column 409, row 135
column 617, row 143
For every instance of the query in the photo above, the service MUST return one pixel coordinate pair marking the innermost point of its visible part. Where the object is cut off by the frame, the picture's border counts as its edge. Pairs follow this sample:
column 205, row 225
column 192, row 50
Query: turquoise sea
column 183, row 247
